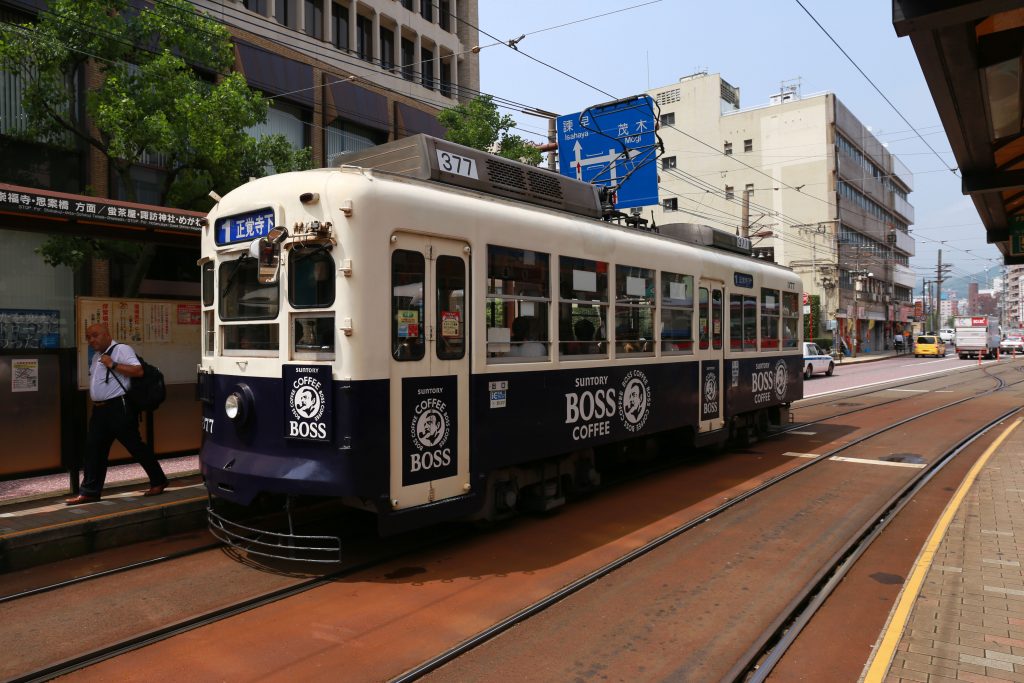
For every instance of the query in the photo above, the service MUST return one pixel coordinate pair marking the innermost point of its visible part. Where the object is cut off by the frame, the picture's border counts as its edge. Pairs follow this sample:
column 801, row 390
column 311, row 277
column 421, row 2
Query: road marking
column 803, row 433
column 864, row 461
column 878, row 667
column 886, row 381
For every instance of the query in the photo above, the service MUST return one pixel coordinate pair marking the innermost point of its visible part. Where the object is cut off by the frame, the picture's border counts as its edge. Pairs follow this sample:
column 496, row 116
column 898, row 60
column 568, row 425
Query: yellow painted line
column 880, row 662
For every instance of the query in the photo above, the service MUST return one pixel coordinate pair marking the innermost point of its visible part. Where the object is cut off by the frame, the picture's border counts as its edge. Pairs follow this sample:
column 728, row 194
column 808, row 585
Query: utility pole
column 940, row 270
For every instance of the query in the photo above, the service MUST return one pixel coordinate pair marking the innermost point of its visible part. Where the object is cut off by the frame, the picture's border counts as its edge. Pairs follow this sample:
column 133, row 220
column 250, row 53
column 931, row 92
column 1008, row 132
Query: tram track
column 771, row 645
column 142, row 640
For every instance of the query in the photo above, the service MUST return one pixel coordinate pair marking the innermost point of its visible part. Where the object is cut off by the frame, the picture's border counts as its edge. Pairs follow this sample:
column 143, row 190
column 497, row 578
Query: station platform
column 960, row 614
column 36, row 527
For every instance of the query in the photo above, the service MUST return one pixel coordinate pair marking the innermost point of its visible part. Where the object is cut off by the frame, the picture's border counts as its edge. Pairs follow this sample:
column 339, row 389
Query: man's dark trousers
column 114, row 419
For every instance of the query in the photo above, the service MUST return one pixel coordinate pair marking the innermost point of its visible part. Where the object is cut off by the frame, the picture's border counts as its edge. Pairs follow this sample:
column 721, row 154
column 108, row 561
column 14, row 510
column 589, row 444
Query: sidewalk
column 30, row 488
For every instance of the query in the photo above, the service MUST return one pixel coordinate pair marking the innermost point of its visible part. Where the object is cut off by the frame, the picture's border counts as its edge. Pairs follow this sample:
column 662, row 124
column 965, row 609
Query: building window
column 728, row 148
column 427, row 10
column 364, row 38
column 670, row 204
column 339, row 26
column 315, row 18
column 387, row 49
column 427, row 68
column 748, row 145
column 257, row 6
column 446, row 79
column 407, row 4
column 408, row 59
column 668, row 119
column 729, row 193
column 444, row 15
column 668, row 162
column 342, row 136
column 287, row 13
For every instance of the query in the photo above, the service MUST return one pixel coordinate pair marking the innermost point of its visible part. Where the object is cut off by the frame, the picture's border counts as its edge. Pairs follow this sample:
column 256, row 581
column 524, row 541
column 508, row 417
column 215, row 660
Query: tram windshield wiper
column 234, row 273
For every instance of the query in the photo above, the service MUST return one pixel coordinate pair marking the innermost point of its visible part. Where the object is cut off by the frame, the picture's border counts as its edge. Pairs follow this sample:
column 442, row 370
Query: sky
column 577, row 53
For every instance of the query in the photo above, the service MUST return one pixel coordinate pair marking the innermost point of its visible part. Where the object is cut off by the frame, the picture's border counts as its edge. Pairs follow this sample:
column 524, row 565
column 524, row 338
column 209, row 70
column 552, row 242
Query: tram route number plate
column 498, row 392
column 459, row 165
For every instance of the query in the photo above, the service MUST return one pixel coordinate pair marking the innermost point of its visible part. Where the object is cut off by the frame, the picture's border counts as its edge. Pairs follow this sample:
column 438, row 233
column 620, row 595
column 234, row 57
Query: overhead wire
column 872, row 83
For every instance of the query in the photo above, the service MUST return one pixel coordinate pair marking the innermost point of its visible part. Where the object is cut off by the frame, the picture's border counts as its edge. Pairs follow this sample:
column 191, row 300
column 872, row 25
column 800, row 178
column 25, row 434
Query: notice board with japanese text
column 164, row 332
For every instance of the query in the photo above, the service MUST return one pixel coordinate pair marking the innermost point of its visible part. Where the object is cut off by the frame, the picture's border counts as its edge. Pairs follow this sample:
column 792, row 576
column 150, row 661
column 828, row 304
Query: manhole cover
column 912, row 458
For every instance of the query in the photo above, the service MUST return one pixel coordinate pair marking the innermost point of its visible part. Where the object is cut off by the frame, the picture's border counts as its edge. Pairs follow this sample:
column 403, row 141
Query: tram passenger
column 113, row 417
column 583, row 330
column 524, row 339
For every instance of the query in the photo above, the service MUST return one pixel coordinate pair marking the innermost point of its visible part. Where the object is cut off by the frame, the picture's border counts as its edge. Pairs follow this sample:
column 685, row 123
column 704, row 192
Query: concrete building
column 808, row 183
column 1014, row 296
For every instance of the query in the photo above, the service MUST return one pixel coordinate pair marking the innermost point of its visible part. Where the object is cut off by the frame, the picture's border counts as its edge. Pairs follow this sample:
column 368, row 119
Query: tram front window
column 242, row 297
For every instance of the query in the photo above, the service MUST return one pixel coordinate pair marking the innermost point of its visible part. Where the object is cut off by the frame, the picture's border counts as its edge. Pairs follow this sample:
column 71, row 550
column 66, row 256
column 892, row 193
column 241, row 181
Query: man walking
column 113, row 417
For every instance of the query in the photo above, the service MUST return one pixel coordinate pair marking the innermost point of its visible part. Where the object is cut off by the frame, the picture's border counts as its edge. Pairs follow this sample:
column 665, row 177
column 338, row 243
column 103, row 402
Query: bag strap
column 109, row 373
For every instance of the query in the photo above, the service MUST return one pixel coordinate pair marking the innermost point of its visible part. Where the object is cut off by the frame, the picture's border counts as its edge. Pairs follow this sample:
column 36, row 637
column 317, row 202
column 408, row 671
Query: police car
column 816, row 360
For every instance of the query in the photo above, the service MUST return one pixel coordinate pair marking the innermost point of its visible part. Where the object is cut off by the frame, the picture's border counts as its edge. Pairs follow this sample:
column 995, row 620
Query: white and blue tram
column 432, row 332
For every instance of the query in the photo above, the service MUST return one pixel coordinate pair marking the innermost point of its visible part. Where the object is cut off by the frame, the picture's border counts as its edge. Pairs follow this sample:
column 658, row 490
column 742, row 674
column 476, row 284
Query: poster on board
column 165, row 333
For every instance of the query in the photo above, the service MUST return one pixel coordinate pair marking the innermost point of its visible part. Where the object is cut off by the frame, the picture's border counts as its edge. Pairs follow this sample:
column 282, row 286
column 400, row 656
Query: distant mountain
column 985, row 279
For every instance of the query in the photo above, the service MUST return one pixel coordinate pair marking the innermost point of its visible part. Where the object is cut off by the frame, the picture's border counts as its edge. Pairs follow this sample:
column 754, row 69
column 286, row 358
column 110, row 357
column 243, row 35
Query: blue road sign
column 613, row 145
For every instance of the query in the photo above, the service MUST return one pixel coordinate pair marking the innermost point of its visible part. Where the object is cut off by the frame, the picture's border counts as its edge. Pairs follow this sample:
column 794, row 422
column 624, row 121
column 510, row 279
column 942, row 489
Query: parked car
column 1012, row 344
column 929, row 345
column 947, row 334
column 816, row 360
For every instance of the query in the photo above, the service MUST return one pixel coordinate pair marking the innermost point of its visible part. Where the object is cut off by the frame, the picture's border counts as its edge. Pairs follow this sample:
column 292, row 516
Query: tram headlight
column 239, row 404
column 233, row 406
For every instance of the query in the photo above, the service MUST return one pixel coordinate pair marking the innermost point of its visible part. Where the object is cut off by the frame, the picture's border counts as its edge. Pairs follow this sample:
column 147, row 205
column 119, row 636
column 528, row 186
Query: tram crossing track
column 159, row 634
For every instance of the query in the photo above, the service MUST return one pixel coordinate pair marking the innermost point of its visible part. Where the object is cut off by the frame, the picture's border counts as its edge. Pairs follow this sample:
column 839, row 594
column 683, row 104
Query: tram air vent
column 428, row 158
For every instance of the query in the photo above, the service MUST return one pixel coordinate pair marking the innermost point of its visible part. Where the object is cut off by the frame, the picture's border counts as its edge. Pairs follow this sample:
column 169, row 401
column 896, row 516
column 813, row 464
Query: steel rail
column 570, row 589
column 11, row 597
column 134, row 643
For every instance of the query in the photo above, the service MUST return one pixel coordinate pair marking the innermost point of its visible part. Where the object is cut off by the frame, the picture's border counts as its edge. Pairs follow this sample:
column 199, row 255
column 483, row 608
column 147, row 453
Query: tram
column 431, row 332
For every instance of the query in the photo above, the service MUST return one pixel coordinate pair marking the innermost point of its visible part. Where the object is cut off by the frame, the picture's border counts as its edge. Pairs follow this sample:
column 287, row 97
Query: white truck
column 976, row 336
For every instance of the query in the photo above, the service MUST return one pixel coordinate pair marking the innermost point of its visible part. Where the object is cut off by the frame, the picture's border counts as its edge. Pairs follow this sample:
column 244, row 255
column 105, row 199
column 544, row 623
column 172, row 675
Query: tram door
column 710, row 353
column 429, row 379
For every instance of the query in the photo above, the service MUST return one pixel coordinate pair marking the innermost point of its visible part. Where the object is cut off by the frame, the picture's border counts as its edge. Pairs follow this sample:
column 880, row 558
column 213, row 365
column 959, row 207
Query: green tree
column 165, row 91
column 478, row 124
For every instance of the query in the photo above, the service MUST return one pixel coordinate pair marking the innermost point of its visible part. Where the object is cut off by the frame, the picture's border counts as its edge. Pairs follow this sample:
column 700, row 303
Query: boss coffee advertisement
column 307, row 402
column 430, row 423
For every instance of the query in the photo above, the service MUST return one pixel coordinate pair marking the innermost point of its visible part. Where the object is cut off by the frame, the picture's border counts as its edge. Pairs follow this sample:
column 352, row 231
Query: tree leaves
column 478, row 124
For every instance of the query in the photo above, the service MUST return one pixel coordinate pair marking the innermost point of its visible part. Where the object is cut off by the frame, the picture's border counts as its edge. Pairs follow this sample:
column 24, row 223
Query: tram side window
column 582, row 307
column 770, row 309
column 676, row 313
column 634, row 310
column 790, row 320
column 518, row 300
column 207, row 280
column 208, row 327
column 310, row 277
column 313, row 334
column 407, row 278
column 742, row 323
column 704, row 318
column 717, row 312
column 451, row 308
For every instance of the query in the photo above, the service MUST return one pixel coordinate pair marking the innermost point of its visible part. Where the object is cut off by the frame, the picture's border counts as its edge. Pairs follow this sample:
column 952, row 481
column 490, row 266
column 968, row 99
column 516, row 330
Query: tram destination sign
column 28, row 201
column 244, row 227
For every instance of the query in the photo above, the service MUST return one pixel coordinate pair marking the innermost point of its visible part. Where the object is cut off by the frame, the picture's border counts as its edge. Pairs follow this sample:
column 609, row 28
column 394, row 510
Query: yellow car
column 929, row 345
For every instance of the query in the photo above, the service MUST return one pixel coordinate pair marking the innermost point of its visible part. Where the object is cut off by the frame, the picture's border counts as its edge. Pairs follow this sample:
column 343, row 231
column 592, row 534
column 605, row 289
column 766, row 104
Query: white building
column 809, row 184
